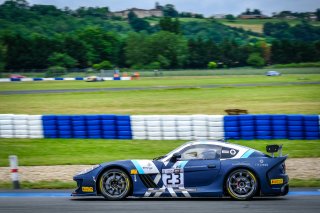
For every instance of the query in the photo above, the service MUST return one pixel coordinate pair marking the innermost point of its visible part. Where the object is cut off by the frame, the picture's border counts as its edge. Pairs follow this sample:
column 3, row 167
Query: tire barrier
column 161, row 127
column 266, row 127
column 61, row 79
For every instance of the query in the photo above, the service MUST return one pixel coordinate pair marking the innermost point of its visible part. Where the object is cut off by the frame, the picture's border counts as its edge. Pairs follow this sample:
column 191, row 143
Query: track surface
column 150, row 88
column 296, row 202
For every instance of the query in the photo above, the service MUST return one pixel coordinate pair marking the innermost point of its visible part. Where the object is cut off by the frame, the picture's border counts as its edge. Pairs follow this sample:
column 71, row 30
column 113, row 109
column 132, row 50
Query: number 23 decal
column 171, row 179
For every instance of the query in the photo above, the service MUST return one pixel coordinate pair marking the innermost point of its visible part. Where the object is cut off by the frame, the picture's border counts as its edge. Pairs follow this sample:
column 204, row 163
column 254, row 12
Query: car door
column 198, row 166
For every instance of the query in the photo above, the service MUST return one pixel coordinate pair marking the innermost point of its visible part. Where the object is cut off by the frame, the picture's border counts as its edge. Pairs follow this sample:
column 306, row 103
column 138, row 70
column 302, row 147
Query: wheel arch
column 241, row 167
column 113, row 167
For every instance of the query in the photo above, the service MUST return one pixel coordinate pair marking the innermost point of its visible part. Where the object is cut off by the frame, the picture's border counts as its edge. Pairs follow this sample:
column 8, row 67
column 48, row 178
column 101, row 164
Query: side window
column 205, row 152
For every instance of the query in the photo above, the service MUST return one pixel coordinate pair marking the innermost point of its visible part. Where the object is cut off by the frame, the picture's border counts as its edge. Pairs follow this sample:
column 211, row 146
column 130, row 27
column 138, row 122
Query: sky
column 205, row 7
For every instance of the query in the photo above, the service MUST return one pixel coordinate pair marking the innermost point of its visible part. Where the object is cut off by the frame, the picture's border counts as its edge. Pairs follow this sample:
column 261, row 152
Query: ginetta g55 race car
column 195, row 169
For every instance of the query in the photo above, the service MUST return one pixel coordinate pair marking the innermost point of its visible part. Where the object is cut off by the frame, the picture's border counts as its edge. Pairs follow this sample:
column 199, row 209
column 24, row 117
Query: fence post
column 14, row 171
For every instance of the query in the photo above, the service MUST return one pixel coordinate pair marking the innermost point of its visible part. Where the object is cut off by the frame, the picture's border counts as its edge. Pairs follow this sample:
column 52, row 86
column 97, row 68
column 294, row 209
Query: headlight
column 88, row 170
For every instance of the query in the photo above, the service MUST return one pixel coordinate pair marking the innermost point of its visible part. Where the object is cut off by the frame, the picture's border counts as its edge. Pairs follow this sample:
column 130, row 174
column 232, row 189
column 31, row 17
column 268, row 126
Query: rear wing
column 274, row 148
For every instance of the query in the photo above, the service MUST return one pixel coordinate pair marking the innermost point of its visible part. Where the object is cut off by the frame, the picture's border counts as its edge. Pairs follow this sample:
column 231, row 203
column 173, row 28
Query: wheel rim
column 115, row 184
column 242, row 184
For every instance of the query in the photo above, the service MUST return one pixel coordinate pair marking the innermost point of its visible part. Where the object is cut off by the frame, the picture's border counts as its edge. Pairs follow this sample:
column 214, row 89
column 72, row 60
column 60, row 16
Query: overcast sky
column 206, row 7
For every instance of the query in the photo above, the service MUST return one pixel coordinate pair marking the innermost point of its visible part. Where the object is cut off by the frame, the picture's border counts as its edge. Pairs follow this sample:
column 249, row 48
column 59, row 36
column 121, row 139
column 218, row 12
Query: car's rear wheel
column 241, row 184
column 114, row 184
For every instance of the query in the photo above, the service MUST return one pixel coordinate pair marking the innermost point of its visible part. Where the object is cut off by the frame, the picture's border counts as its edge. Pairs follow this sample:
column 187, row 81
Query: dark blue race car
column 195, row 169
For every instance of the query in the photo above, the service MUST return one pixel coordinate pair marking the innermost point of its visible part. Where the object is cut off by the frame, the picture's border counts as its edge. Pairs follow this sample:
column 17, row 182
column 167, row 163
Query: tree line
column 42, row 36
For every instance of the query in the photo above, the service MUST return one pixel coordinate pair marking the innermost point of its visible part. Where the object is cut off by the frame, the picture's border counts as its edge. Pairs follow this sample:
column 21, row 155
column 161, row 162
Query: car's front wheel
column 241, row 184
column 114, row 184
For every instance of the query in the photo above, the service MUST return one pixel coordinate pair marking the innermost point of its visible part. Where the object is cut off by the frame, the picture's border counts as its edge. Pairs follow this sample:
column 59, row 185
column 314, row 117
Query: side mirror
column 272, row 148
column 176, row 156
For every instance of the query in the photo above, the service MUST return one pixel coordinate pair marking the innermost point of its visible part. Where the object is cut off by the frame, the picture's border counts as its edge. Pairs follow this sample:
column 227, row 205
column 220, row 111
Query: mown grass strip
column 33, row 152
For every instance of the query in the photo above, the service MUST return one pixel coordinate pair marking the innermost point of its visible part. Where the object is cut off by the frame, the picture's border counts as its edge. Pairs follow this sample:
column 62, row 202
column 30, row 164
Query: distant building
column 141, row 13
column 254, row 16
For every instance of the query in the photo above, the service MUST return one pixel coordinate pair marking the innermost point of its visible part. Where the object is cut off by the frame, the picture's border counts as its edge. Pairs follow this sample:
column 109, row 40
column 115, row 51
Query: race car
column 93, row 79
column 195, row 169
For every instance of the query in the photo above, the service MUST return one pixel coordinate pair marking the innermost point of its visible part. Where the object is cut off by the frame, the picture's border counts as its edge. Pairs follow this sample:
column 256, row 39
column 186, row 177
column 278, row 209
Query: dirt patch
column 300, row 168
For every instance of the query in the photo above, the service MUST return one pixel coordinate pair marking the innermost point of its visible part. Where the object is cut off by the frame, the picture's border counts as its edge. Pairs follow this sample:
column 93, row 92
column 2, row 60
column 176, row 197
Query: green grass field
column 76, row 151
column 289, row 99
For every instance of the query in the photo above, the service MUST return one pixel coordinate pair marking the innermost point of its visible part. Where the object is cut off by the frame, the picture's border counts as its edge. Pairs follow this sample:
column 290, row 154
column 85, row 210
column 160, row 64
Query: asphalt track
column 297, row 201
column 151, row 88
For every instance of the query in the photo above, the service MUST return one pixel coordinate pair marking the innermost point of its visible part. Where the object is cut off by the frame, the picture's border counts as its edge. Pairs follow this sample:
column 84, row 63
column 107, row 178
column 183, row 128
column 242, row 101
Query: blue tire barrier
column 262, row 117
column 230, row 118
column 58, row 79
column 123, row 123
column 279, row 128
column 124, row 137
column 66, row 136
column 63, row 117
column 279, row 122
column 311, row 128
column 231, row 124
column 295, row 128
column 278, row 117
column 49, row 123
column 295, row 117
column 295, row 123
column 95, row 136
column 93, row 128
column 263, row 133
column 93, row 117
column 311, row 123
column 312, row 134
column 108, row 122
column 279, row 137
column 263, row 128
column 65, row 128
column 79, row 78
column 280, row 133
column 124, row 133
column 63, row 122
column 78, row 118
column 246, row 123
column 263, row 122
column 79, row 133
column 232, row 134
column 247, row 134
column 78, row 123
column 108, row 128
column 311, row 118
column 93, row 122
column 49, row 117
column 246, row 117
column 108, row 117
column 15, row 79
column 109, row 137
column 124, row 128
column 231, row 129
column 49, row 127
column 295, row 134
column 79, row 128
column 65, row 132
column 110, row 133
column 37, row 79
column 123, row 118
column 116, row 78
column 80, row 137
column 246, row 128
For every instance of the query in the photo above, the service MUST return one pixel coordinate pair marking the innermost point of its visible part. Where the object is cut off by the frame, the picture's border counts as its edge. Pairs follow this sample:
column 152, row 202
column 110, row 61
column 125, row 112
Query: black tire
column 241, row 184
column 114, row 184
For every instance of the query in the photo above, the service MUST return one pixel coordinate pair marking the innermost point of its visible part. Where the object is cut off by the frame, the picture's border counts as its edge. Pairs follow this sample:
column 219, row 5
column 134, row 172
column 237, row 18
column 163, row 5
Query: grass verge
column 37, row 152
column 72, row 185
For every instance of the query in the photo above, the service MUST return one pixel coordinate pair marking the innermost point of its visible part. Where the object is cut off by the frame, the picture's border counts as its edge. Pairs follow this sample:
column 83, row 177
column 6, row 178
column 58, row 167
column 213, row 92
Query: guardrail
column 161, row 127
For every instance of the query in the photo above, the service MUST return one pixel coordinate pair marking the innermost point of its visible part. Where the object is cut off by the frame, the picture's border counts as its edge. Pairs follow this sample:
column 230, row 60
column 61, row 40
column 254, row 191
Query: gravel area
column 301, row 168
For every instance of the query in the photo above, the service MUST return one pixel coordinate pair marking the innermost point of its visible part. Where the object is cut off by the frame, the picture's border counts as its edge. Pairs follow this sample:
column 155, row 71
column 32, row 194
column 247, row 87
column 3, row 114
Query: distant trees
column 170, row 11
column 167, row 24
column 136, row 23
column 255, row 60
column 62, row 60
